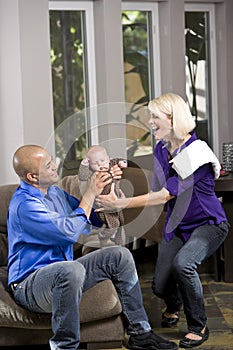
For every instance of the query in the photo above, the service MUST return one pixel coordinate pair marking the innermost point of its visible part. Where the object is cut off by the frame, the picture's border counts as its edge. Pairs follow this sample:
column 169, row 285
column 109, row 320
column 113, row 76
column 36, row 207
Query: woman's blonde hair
column 175, row 107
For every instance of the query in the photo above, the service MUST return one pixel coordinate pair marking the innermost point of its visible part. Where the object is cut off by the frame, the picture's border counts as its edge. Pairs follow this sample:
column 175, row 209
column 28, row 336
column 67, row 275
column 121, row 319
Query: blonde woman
column 184, row 172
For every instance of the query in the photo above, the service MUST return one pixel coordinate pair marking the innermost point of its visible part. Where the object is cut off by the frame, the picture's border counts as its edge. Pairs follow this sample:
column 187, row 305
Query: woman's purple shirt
column 195, row 202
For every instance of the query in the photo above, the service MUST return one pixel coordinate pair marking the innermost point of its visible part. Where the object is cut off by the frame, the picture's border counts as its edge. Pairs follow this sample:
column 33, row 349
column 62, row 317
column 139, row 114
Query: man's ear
column 32, row 178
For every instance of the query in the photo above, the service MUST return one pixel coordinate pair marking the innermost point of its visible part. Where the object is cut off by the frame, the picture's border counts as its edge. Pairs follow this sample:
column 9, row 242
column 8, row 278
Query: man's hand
column 94, row 187
column 98, row 181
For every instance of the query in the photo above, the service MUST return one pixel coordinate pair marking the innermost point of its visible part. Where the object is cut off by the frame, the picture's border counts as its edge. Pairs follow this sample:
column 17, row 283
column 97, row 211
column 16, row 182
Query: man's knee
column 72, row 272
column 123, row 254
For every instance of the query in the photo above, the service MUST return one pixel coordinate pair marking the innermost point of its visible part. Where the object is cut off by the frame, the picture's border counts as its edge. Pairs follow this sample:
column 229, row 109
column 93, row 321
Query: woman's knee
column 183, row 267
column 158, row 287
column 162, row 281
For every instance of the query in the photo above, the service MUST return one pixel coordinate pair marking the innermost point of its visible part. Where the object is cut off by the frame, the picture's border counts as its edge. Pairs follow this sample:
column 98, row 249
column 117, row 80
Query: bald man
column 43, row 224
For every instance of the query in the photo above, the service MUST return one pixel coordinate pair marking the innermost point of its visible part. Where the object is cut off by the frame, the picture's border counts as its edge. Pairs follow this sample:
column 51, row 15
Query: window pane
column 136, row 33
column 197, row 70
column 68, row 75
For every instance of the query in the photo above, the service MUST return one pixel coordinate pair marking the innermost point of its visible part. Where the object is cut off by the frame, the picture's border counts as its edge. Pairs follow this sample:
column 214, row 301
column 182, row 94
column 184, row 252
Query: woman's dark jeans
column 176, row 279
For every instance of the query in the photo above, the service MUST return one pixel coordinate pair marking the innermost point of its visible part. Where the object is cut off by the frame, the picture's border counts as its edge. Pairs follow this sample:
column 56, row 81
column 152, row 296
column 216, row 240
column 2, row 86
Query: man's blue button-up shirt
column 43, row 228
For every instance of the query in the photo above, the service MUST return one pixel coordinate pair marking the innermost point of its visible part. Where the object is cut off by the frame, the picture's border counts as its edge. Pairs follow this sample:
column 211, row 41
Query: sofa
column 100, row 309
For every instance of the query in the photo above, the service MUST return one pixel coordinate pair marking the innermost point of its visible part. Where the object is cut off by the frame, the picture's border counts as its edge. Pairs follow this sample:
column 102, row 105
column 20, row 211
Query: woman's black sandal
column 168, row 322
column 191, row 343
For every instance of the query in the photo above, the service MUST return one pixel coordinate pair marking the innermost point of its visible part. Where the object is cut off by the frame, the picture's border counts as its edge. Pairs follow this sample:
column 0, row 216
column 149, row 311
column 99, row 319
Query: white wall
column 172, row 46
column 110, row 76
column 25, row 84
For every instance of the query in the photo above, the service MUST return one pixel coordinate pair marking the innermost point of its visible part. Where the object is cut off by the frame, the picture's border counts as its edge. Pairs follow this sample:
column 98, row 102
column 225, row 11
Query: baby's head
column 98, row 158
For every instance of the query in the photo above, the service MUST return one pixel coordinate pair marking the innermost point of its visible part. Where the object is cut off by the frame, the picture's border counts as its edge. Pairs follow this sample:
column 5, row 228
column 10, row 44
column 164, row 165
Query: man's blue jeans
column 58, row 287
column 176, row 279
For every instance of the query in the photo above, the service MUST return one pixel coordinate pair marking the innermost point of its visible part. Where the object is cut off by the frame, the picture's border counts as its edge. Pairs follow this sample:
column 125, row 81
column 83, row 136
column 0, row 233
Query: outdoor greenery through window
column 197, row 71
column 68, row 76
column 136, row 32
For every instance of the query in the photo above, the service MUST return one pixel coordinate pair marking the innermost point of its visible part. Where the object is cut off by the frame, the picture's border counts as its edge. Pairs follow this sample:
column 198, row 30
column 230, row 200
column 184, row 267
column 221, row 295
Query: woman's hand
column 116, row 172
column 110, row 201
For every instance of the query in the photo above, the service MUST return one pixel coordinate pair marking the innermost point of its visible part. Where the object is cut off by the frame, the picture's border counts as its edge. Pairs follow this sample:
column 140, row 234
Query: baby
column 97, row 159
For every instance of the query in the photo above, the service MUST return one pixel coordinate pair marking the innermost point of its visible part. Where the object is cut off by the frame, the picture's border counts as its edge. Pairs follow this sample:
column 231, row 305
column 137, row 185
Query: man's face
column 47, row 169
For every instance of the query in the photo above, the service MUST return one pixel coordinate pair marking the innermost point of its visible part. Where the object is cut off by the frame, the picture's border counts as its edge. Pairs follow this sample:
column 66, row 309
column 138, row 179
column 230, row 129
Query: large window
column 73, row 77
column 142, row 73
column 200, row 70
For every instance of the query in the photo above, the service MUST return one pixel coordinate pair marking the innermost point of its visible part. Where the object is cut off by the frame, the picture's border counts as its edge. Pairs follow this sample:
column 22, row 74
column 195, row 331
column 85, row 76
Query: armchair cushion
column 147, row 222
column 3, row 249
column 6, row 193
column 104, row 304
